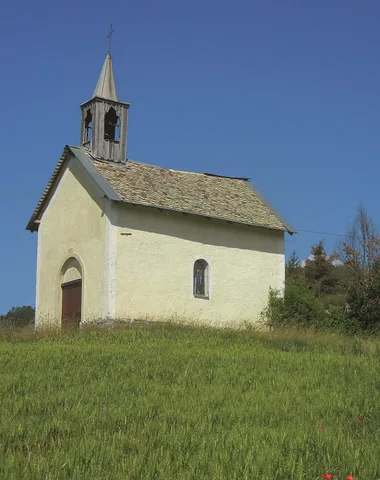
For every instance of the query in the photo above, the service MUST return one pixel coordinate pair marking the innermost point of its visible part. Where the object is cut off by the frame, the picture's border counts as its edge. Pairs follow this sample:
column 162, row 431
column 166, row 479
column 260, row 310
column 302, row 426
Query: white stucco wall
column 156, row 252
column 137, row 263
column 72, row 226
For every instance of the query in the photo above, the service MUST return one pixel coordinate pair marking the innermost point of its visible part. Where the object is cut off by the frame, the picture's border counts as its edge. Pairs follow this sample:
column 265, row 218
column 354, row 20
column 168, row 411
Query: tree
column 293, row 265
column 319, row 270
column 360, row 251
column 19, row 316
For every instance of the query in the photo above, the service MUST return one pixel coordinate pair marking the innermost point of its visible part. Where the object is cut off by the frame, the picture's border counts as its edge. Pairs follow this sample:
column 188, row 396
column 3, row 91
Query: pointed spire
column 105, row 88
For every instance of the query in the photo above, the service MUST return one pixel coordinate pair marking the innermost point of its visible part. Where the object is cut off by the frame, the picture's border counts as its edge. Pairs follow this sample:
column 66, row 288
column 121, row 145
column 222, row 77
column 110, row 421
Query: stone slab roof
column 231, row 199
column 225, row 198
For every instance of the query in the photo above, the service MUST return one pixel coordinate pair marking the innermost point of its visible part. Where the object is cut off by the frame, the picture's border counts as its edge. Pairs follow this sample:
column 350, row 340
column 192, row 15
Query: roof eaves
column 32, row 224
column 81, row 156
column 185, row 212
column 114, row 102
column 290, row 229
column 246, row 179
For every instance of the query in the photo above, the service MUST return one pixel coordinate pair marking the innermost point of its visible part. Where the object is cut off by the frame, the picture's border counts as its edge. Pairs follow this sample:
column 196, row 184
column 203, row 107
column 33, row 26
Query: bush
column 298, row 306
column 338, row 320
column 334, row 300
column 364, row 301
column 301, row 307
column 18, row 317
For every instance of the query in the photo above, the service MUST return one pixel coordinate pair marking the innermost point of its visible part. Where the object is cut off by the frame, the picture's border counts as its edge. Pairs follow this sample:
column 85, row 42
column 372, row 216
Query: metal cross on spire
column 109, row 36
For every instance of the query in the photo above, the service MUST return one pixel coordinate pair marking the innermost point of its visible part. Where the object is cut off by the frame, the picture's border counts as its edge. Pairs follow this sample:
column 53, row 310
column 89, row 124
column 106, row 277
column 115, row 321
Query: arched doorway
column 71, row 286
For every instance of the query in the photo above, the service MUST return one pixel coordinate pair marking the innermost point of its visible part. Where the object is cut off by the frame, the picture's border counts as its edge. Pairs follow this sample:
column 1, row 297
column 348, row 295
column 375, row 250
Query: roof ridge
column 235, row 202
column 161, row 168
column 138, row 162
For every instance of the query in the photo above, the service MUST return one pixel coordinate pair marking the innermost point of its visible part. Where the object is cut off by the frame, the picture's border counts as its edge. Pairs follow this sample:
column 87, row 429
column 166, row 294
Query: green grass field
column 167, row 402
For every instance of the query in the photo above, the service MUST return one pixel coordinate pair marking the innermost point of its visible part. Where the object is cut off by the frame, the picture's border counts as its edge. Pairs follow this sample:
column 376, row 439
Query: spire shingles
column 105, row 88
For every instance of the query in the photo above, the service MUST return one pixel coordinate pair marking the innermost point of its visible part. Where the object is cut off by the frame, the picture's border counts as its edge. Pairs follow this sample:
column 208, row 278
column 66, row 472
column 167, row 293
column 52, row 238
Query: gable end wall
column 73, row 225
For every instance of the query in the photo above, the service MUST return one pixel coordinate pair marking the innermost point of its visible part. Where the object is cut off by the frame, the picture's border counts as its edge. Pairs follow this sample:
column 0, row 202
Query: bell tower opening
column 111, row 126
column 88, row 126
column 104, row 124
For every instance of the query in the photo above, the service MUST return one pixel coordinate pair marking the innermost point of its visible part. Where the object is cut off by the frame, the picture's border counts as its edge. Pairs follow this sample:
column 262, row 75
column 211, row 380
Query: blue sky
column 284, row 92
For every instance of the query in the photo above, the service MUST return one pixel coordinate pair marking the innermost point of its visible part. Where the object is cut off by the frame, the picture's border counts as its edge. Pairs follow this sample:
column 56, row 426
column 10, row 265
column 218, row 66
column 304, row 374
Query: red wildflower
column 327, row 476
column 358, row 420
column 320, row 427
column 349, row 477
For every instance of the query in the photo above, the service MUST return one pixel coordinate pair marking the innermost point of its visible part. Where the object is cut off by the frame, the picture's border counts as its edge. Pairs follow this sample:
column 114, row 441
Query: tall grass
column 169, row 402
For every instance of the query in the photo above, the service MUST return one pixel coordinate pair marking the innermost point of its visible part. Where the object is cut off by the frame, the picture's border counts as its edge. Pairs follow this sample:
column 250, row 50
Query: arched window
column 110, row 123
column 201, row 279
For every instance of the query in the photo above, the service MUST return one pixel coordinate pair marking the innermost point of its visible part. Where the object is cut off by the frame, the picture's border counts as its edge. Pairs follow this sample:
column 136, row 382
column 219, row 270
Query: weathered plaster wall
column 156, row 252
column 73, row 226
column 137, row 262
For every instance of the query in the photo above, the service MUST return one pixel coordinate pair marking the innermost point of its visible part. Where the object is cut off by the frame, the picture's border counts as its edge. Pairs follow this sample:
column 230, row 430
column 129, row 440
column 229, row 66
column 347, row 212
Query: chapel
column 119, row 239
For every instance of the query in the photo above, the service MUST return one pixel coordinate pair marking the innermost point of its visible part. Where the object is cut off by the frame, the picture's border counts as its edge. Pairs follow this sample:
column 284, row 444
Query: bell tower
column 104, row 124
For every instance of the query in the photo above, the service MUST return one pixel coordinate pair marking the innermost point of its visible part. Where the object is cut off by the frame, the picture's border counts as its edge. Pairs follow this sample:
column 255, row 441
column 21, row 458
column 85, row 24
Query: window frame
column 206, row 278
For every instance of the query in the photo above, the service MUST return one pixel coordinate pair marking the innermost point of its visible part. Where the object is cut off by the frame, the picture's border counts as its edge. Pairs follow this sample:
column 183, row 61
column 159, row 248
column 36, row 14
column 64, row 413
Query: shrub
column 298, row 306
column 364, row 301
column 337, row 319
column 334, row 300
column 17, row 317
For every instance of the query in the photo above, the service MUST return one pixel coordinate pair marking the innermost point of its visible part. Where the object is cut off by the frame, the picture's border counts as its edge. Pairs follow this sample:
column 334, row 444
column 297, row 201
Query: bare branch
column 360, row 248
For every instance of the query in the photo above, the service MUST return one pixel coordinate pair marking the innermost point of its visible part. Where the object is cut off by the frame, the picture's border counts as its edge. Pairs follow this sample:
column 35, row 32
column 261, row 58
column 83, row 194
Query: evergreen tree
column 293, row 265
column 319, row 270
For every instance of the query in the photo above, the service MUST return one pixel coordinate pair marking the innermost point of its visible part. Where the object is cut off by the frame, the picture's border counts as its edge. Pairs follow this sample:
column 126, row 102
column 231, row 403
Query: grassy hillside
column 178, row 403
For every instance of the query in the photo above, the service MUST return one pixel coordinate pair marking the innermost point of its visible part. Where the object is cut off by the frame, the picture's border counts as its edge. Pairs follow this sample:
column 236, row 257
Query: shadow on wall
column 199, row 229
column 187, row 227
column 88, row 185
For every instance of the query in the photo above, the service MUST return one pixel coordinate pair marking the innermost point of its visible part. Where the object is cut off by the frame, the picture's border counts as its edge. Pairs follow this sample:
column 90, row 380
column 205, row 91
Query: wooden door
column 71, row 304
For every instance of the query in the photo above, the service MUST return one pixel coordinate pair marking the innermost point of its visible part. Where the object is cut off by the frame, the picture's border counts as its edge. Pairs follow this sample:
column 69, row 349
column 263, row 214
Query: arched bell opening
column 111, row 126
column 88, row 126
